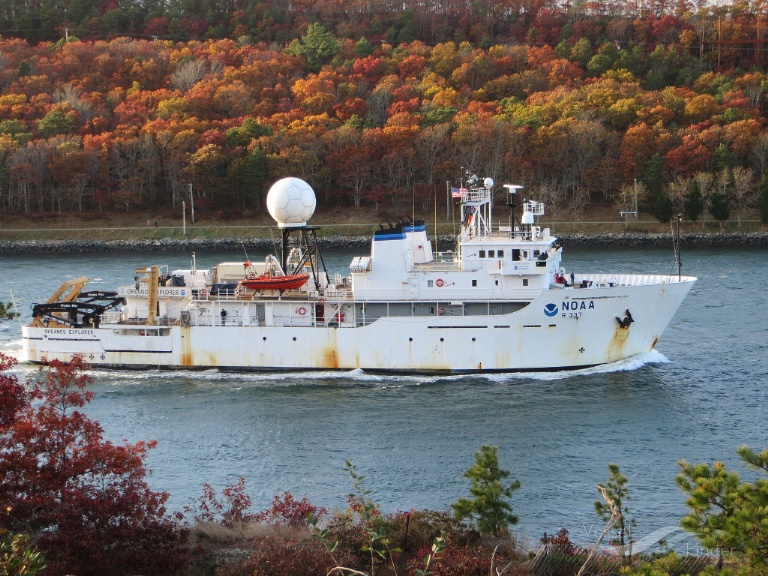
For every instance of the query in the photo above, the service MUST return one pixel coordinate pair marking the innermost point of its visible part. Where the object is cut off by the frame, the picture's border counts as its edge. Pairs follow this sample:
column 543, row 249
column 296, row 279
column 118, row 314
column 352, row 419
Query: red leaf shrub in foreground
column 287, row 511
column 83, row 499
column 230, row 511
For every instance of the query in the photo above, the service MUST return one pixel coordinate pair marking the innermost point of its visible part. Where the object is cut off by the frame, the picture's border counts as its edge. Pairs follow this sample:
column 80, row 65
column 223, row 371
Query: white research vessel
column 500, row 302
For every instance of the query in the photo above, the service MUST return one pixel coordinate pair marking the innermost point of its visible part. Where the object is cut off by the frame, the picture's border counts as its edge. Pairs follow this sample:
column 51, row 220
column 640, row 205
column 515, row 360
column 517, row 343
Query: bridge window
column 500, row 253
column 516, row 254
column 474, row 283
column 481, row 254
column 491, row 253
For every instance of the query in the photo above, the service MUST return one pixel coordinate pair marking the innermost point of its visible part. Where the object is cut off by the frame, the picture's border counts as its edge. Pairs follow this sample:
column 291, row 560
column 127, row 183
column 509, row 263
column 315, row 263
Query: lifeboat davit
column 268, row 282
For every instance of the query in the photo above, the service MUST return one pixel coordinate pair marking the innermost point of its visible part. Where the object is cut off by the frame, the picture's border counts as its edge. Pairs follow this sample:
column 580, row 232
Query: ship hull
column 559, row 329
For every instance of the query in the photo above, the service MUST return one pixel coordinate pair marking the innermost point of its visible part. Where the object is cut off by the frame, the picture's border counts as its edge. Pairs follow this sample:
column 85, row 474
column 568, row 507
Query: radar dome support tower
column 291, row 203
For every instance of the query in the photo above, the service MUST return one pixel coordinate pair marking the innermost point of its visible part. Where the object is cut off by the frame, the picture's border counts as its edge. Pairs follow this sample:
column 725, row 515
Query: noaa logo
column 183, row 292
column 550, row 309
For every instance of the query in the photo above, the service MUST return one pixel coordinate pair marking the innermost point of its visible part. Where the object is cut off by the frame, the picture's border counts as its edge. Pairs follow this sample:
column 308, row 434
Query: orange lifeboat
column 268, row 282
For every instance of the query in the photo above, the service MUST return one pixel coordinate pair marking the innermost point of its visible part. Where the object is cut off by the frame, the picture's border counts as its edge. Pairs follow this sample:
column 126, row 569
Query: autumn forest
column 128, row 107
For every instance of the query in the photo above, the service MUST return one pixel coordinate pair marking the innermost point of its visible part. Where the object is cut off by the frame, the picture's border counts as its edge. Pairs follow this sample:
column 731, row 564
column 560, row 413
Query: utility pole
column 192, row 202
column 635, row 205
column 184, row 216
column 447, row 200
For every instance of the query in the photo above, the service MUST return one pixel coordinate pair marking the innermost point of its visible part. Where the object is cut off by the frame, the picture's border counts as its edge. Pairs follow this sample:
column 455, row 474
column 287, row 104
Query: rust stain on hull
column 186, row 347
column 328, row 356
column 618, row 343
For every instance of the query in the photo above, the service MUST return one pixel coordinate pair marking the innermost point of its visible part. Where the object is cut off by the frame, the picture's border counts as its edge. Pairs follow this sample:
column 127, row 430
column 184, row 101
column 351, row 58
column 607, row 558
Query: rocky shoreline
column 236, row 244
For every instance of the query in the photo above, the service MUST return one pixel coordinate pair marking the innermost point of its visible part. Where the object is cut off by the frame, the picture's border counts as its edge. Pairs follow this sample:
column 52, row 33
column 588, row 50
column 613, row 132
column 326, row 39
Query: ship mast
column 476, row 207
column 676, row 246
column 514, row 223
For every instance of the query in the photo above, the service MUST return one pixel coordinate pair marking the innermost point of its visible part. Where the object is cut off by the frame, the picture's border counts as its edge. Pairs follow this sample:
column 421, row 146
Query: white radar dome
column 291, row 202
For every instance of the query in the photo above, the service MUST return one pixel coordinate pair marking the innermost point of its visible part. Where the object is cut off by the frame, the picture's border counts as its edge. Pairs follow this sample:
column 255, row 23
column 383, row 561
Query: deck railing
column 603, row 280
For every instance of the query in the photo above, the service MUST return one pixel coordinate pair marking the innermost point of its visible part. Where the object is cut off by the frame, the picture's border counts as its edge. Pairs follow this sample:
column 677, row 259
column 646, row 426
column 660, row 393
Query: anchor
column 626, row 321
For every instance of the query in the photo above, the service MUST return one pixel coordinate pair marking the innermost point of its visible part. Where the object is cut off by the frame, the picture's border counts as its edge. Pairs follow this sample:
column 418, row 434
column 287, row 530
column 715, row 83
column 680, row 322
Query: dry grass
column 344, row 222
column 213, row 534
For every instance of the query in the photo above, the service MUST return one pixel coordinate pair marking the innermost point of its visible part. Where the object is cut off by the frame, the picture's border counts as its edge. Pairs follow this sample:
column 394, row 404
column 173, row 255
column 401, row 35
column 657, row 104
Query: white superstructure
column 501, row 301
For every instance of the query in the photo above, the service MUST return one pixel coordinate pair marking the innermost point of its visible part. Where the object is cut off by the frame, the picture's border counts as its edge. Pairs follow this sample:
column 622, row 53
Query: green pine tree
column 489, row 504
column 727, row 514
column 617, row 490
column 653, row 178
column 364, row 48
column 6, row 312
column 663, row 210
column 317, row 47
column 721, row 159
column 720, row 207
column 693, row 203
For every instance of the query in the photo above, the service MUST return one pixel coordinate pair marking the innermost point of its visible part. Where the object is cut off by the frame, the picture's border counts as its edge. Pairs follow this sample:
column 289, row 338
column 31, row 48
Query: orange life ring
column 440, row 311
column 301, row 310
column 202, row 293
column 439, row 283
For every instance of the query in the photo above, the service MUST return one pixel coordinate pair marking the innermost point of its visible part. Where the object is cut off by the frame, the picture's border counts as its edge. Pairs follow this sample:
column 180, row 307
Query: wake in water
column 625, row 365
column 355, row 378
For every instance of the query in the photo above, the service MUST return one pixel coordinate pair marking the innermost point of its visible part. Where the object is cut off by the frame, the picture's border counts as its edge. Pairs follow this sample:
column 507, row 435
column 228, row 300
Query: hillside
column 588, row 109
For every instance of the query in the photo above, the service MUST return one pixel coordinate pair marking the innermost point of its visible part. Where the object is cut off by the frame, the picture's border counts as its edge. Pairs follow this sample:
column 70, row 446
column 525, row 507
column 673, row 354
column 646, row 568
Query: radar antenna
column 512, row 189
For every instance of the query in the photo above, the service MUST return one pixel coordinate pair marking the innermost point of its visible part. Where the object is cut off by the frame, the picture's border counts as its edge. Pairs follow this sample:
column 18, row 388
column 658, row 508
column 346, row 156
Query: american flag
column 457, row 192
